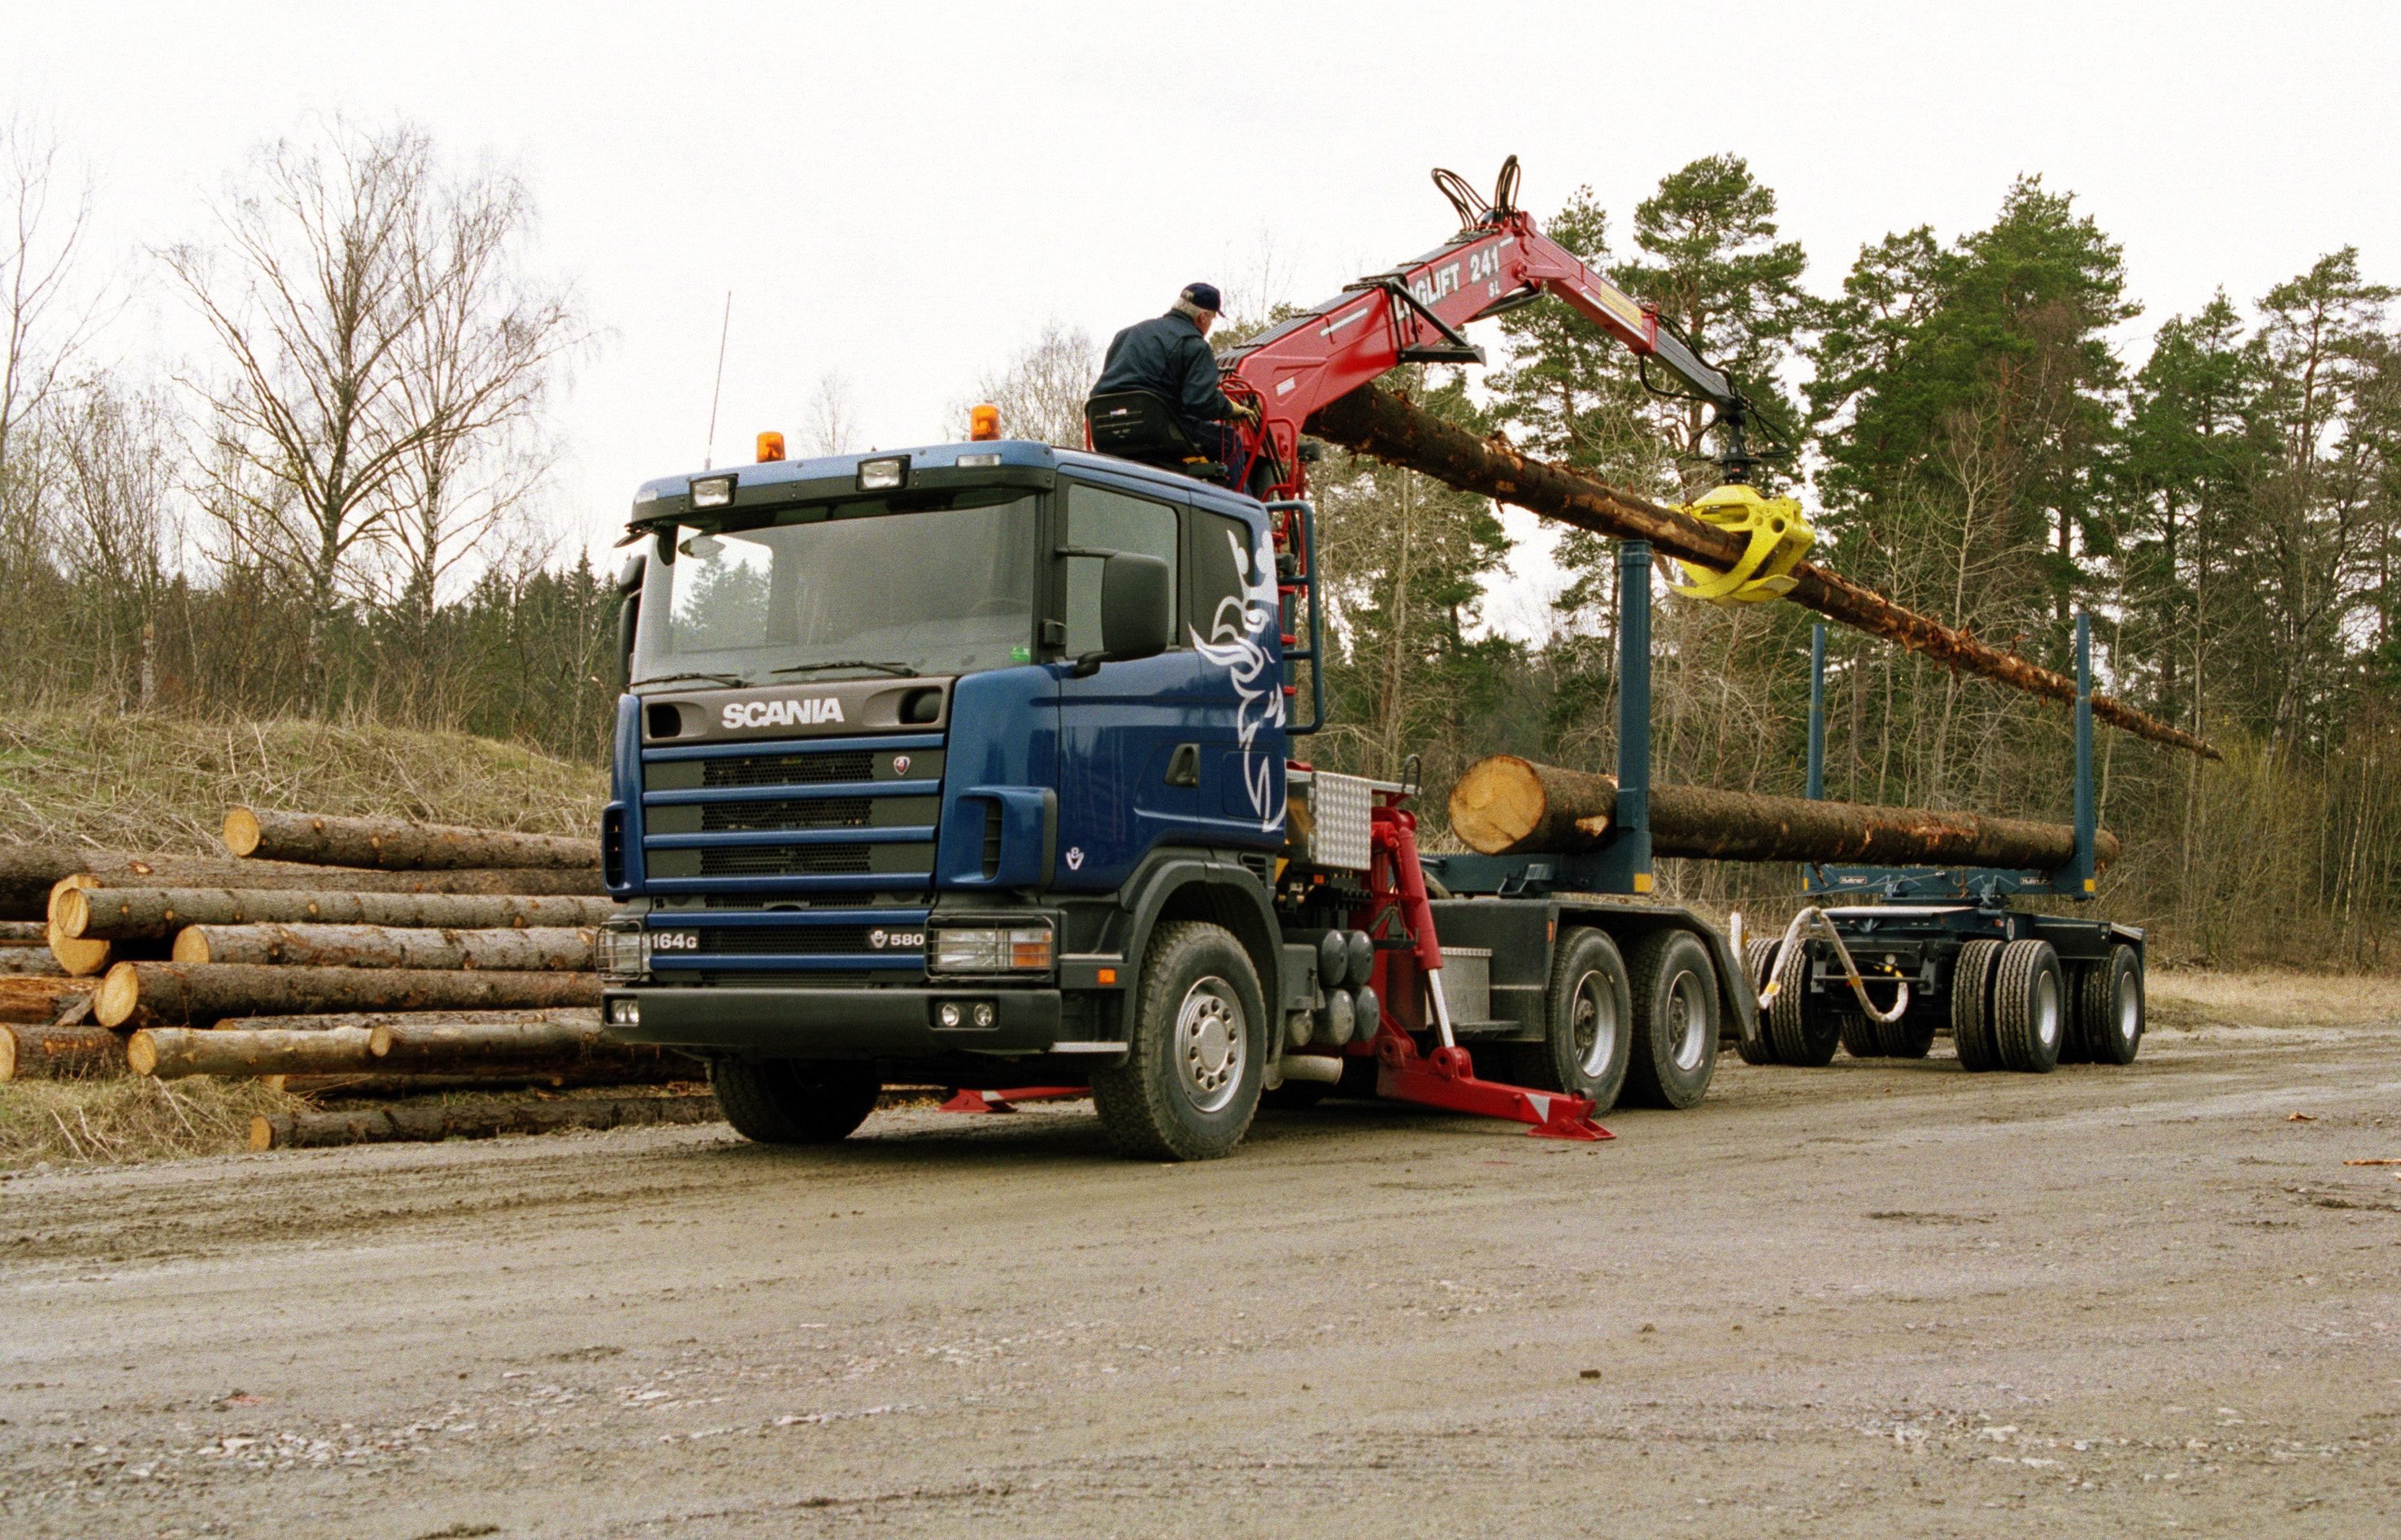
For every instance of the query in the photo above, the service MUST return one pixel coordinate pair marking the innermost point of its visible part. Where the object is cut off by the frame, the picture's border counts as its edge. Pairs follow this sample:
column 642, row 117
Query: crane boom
column 1412, row 314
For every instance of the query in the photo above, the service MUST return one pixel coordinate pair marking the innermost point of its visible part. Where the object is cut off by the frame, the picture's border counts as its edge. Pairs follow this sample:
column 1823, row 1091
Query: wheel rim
column 1596, row 1025
column 1210, row 1045
column 2046, row 1010
column 1688, row 1019
column 2130, row 1009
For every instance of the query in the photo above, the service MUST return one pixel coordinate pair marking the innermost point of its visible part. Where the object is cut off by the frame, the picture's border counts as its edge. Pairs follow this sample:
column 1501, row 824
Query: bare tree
column 40, row 331
column 831, row 425
column 115, row 521
column 470, row 381
column 312, row 301
column 1041, row 392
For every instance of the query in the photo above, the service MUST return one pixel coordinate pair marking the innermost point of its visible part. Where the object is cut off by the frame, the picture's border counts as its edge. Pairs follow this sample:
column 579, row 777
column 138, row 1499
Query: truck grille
column 797, row 813
column 787, row 769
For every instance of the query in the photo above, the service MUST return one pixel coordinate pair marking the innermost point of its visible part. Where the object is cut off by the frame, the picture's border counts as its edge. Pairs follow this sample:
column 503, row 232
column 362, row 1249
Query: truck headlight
column 625, row 952
column 883, row 476
column 991, row 949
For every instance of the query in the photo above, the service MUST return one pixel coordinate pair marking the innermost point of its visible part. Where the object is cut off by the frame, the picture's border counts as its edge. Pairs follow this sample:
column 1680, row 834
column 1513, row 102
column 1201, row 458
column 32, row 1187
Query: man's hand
column 1246, row 413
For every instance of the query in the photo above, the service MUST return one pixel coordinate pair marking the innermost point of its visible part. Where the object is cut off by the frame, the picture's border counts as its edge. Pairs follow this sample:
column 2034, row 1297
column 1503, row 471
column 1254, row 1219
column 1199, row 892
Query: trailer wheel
column 2029, row 1007
column 1861, row 1038
column 1673, row 1049
column 1756, row 956
column 1187, row 1089
column 1971, row 990
column 2109, row 1008
column 783, row 1101
column 1805, row 1034
column 1588, row 1024
column 1909, row 1037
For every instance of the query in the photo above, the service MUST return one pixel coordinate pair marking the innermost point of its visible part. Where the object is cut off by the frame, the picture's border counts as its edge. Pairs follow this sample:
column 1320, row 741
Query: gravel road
column 1868, row 1299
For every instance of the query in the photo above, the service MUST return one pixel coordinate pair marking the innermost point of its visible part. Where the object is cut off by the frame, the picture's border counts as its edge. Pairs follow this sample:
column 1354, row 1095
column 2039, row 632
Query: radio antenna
column 718, row 389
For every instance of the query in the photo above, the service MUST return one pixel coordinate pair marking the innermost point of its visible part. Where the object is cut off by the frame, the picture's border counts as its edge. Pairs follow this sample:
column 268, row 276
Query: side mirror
column 1137, row 610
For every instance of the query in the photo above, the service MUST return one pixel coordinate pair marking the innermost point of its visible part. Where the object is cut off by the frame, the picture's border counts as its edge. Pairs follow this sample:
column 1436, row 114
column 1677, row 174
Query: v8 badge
column 1075, row 858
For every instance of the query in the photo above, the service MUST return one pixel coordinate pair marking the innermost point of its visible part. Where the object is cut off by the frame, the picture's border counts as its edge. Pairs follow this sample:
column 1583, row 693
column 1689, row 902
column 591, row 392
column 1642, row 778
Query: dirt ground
column 1871, row 1299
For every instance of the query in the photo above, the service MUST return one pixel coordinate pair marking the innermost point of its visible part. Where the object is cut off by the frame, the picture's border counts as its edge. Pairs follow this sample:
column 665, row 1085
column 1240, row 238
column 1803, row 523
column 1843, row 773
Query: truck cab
column 918, row 747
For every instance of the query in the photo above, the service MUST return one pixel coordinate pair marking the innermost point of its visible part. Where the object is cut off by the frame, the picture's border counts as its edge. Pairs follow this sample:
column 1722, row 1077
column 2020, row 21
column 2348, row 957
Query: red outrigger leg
column 1005, row 1101
column 1447, row 1077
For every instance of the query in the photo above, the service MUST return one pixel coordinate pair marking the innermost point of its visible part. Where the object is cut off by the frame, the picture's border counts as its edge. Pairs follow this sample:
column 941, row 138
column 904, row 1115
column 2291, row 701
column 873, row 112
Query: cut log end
column 79, row 957
column 264, row 1133
column 1504, row 805
column 191, row 944
column 7, row 1056
column 119, row 995
column 142, row 1053
column 241, row 833
column 71, row 910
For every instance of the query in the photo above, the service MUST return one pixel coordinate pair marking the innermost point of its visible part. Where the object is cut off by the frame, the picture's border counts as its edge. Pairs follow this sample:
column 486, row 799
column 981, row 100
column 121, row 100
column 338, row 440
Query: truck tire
column 787, row 1102
column 1860, row 1038
column 1190, row 1084
column 2109, row 1014
column 1588, row 1024
column 1910, row 1037
column 1756, row 956
column 1971, row 993
column 2029, row 1007
column 1804, row 1033
column 1673, row 1049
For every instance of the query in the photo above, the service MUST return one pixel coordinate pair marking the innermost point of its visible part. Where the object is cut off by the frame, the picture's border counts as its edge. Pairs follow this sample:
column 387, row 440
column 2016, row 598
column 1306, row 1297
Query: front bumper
column 833, row 1023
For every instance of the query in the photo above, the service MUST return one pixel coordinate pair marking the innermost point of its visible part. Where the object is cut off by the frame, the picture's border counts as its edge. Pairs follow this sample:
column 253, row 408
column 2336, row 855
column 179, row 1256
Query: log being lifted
column 29, row 1052
column 1377, row 422
column 547, row 950
column 142, row 993
column 30, row 872
column 396, row 844
column 1507, row 805
column 480, row 1119
column 137, row 913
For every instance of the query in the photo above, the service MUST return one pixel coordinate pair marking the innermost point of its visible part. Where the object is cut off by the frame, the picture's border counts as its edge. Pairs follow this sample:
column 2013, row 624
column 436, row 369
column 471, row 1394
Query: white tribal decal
column 1236, row 642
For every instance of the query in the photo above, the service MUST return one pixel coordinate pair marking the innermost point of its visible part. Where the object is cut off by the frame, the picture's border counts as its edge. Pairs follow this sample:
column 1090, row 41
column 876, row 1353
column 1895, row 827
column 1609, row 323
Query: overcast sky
column 905, row 193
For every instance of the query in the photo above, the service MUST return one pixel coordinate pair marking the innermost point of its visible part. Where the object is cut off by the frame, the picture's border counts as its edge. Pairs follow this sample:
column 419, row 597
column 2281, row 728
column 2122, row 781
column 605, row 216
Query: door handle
column 1183, row 765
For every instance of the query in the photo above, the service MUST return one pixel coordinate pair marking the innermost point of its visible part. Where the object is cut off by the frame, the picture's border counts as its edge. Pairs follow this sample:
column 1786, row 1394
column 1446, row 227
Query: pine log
column 1380, row 423
column 143, row 994
column 28, row 872
column 78, row 959
column 30, row 1053
column 1504, row 805
column 43, row 1000
column 172, row 1052
column 480, row 1119
column 128, row 913
column 546, row 950
column 436, row 1044
column 369, row 1020
column 669, row 1070
column 24, row 933
column 29, row 962
column 1533, row 800
column 397, row 843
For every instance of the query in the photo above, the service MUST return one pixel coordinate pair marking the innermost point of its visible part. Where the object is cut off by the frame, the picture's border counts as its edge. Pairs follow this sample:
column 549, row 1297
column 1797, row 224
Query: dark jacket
column 1167, row 356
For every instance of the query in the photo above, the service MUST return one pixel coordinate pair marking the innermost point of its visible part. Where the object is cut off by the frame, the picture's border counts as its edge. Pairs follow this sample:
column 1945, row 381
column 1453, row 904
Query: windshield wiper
column 898, row 670
column 735, row 681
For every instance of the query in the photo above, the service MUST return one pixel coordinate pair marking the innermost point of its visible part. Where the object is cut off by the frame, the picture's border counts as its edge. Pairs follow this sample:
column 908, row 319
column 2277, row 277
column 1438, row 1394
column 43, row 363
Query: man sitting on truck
column 1168, row 356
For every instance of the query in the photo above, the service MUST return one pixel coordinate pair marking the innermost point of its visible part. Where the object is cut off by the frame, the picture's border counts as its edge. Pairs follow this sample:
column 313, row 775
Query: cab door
column 1141, row 743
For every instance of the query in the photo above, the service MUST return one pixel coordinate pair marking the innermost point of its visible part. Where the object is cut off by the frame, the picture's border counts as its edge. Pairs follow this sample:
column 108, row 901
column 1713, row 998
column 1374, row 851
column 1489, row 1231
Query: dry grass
column 2272, row 997
column 134, row 1118
column 162, row 783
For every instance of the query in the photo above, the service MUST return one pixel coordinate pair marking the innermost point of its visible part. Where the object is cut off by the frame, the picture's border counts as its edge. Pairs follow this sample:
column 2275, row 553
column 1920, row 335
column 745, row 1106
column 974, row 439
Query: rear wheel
column 1587, row 1034
column 2109, row 1008
column 1674, row 1046
column 1861, row 1038
column 782, row 1102
column 1188, row 1086
column 1909, row 1037
column 1756, row 956
column 1804, row 1031
column 2029, row 1007
column 1971, row 993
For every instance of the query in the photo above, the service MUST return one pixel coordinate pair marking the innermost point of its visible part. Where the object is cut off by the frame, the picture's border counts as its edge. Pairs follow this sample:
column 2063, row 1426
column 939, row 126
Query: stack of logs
column 330, row 957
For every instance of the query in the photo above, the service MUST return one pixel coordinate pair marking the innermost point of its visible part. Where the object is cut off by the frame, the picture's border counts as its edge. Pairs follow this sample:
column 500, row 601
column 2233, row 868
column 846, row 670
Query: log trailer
column 977, row 764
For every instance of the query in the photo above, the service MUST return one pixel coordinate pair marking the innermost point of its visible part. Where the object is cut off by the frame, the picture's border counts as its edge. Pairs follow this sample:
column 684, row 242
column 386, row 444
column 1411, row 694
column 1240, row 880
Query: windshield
column 853, row 588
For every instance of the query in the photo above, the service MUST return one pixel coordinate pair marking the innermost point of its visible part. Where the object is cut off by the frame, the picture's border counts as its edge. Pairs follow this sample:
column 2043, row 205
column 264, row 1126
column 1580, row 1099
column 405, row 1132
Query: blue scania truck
column 974, row 764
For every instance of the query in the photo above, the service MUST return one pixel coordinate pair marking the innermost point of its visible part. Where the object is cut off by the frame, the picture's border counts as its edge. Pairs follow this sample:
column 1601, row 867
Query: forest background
column 335, row 510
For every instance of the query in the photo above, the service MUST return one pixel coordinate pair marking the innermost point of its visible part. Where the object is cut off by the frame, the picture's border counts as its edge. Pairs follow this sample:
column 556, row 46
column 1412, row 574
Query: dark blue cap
column 1204, row 296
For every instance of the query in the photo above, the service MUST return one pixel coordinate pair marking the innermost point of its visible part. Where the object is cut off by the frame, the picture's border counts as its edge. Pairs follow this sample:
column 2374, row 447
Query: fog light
column 949, row 1014
column 984, row 1014
column 712, row 492
column 882, row 475
column 624, row 952
column 624, row 1013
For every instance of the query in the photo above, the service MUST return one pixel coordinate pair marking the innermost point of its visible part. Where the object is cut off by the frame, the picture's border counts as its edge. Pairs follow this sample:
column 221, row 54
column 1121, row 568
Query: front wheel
column 1188, row 1085
column 782, row 1102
